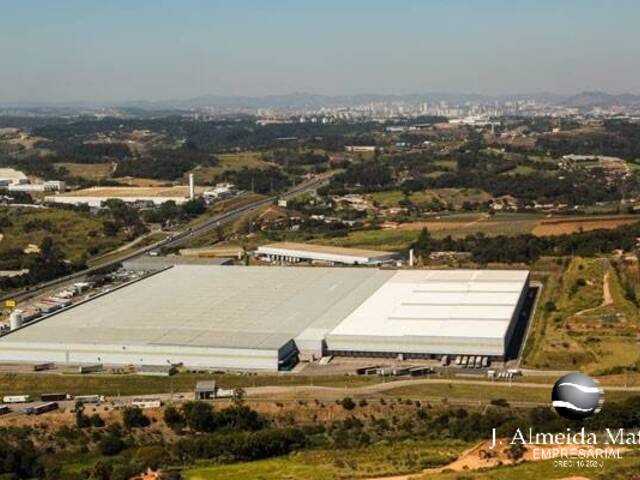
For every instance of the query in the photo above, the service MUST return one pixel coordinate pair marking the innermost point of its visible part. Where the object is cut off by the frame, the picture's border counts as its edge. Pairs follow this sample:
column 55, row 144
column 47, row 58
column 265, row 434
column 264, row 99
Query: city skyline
column 155, row 51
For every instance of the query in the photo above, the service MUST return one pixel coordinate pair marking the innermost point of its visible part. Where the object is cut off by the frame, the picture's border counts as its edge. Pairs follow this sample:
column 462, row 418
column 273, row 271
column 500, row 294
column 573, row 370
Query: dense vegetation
column 257, row 180
column 479, row 170
column 65, row 236
column 528, row 248
column 237, row 433
column 92, row 153
column 218, row 134
column 619, row 139
column 166, row 164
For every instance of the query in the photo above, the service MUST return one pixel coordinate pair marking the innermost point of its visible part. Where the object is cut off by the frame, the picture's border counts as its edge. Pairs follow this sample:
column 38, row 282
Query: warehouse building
column 150, row 263
column 419, row 313
column 94, row 197
column 290, row 252
column 11, row 176
column 266, row 318
column 202, row 316
column 48, row 186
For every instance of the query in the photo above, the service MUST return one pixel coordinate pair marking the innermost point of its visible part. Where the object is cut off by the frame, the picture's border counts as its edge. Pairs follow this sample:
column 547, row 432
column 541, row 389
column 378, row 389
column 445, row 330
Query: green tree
column 347, row 403
column 111, row 444
column 424, row 243
column 133, row 417
column 200, row 416
column 174, row 418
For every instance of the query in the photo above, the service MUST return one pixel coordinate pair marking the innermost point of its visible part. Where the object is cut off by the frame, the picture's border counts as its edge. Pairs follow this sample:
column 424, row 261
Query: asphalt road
column 378, row 390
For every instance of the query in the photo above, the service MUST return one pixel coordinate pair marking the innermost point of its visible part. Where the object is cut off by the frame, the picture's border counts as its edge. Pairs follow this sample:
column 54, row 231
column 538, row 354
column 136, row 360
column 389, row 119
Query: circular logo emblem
column 576, row 396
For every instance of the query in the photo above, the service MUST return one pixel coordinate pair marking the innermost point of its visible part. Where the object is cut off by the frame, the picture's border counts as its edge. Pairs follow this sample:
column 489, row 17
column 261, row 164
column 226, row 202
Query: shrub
column 174, row 419
column 132, row 417
column 347, row 403
column 111, row 444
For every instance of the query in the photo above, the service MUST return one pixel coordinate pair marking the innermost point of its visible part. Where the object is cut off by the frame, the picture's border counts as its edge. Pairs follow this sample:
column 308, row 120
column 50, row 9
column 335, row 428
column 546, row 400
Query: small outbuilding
column 156, row 370
column 206, row 390
column 291, row 252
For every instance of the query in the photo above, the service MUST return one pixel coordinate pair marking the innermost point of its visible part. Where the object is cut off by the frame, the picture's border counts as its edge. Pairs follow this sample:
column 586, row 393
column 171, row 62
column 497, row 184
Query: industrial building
column 290, row 252
column 48, row 186
column 11, row 176
column 94, row 197
column 151, row 263
column 237, row 317
column 420, row 313
column 360, row 148
column 16, row 181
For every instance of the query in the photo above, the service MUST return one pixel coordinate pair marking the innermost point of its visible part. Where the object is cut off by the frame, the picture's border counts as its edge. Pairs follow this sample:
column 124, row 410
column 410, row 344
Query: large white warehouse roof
column 256, row 317
column 324, row 253
column 435, row 311
column 12, row 176
column 217, row 316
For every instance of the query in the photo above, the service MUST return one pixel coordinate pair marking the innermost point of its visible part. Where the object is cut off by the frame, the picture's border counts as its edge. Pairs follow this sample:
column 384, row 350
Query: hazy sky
column 62, row 50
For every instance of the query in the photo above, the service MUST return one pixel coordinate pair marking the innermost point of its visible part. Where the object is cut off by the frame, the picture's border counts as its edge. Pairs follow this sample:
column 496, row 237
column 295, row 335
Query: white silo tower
column 15, row 319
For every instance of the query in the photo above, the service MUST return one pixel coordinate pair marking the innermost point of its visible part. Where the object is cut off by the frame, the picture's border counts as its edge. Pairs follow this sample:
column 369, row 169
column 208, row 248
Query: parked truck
column 97, row 367
column 16, row 399
column 40, row 409
column 88, row 398
column 54, row 397
column 40, row 367
column 146, row 402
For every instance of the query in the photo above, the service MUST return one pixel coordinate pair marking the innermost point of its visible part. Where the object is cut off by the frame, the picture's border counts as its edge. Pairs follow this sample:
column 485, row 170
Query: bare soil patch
column 437, row 225
column 565, row 226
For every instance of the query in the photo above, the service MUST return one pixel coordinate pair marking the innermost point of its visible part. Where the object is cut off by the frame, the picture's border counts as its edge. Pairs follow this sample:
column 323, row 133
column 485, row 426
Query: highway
column 231, row 215
column 173, row 241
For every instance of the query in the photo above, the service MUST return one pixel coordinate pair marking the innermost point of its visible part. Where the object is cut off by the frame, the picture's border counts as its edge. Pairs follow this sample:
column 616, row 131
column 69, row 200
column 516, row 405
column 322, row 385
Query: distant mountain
column 593, row 99
column 300, row 101
column 310, row 101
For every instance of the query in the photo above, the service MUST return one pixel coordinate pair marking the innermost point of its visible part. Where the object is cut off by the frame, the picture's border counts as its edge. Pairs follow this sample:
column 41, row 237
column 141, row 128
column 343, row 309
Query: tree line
column 527, row 248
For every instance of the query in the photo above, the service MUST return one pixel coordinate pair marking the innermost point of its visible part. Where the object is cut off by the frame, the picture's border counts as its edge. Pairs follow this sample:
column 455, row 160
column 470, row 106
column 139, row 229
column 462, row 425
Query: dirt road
column 607, row 299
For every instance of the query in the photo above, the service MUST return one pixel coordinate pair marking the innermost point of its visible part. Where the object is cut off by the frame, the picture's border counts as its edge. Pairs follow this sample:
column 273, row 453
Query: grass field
column 409, row 457
column 229, row 161
column 88, row 171
column 373, row 239
column 520, row 170
column 446, row 164
column 485, row 393
column 450, row 196
column 463, row 224
column 164, row 191
column 612, row 469
column 130, row 384
column 77, row 234
column 459, row 225
column 583, row 319
column 571, row 225
column 376, row 460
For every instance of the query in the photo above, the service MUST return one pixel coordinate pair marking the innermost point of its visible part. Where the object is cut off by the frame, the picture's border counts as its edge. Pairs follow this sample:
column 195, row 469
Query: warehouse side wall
column 361, row 344
column 222, row 358
column 508, row 338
